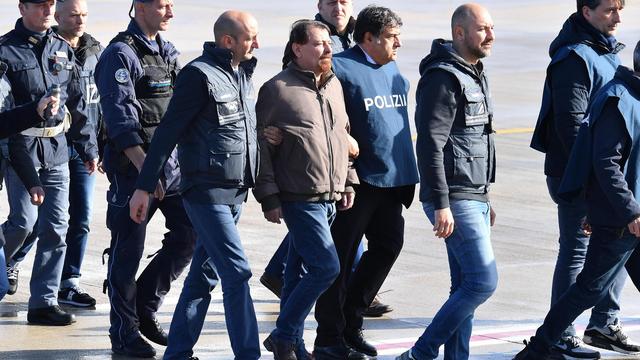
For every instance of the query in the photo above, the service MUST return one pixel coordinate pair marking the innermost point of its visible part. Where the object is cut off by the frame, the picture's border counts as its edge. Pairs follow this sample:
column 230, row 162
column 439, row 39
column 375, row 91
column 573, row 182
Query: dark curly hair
column 374, row 19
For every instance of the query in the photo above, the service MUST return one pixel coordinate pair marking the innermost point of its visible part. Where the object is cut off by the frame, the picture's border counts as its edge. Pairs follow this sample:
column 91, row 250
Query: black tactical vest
column 470, row 150
column 154, row 89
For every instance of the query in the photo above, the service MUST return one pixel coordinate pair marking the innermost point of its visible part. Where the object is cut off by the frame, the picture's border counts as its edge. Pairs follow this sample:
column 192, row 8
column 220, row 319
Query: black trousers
column 633, row 268
column 377, row 214
column 129, row 297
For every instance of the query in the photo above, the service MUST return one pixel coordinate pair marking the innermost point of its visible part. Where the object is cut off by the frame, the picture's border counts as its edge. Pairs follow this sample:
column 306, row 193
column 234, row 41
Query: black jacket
column 454, row 114
column 212, row 118
column 32, row 72
column 87, row 54
column 582, row 61
column 29, row 117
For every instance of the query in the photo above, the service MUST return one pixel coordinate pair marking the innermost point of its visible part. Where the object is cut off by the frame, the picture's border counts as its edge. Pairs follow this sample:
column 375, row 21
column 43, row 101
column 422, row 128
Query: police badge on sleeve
column 122, row 76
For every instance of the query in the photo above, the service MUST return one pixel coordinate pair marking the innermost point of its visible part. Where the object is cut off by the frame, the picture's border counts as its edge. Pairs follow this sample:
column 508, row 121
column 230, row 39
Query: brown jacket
column 312, row 162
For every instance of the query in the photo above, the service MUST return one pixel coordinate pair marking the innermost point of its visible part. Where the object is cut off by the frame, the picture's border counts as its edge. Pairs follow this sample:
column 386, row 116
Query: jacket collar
column 348, row 33
column 443, row 51
column 135, row 31
column 223, row 58
column 29, row 36
column 577, row 30
column 309, row 76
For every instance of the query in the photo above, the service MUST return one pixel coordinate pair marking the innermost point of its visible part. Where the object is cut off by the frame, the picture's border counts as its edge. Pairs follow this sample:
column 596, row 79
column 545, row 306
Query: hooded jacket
column 454, row 116
column 610, row 139
column 582, row 61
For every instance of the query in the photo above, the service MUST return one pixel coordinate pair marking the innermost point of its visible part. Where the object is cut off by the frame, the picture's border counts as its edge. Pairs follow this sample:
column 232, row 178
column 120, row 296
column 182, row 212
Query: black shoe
column 12, row 276
column 610, row 338
column 272, row 283
column 530, row 352
column 376, row 309
column 136, row 347
column 337, row 352
column 75, row 296
column 281, row 350
column 573, row 347
column 355, row 339
column 152, row 330
column 51, row 315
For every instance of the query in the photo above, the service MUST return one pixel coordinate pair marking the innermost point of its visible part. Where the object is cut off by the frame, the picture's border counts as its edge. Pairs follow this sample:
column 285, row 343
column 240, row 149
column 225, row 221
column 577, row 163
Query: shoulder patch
column 122, row 76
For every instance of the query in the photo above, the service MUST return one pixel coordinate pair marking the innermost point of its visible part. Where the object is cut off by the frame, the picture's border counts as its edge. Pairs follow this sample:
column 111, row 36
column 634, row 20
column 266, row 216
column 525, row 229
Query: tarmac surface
column 524, row 240
column 524, row 237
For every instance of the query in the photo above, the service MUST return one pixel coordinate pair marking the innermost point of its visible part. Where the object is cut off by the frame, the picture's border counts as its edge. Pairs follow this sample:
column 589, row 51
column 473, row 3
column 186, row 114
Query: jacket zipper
column 326, row 132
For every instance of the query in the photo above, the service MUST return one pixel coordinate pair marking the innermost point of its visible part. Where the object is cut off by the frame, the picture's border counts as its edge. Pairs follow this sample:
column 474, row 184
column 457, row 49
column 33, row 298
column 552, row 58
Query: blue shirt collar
column 154, row 46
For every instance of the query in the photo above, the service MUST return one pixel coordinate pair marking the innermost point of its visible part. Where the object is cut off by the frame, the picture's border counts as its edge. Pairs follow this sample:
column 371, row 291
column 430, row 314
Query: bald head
column 472, row 32
column 237, row 31
column 233, row 23
column 466, row 14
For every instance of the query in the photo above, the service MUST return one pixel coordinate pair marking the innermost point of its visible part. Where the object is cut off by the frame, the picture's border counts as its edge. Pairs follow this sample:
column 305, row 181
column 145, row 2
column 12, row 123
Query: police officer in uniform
column 71, row 16
column 212, row 118
column 135, row 78
column 40, row 60
column 30, row 115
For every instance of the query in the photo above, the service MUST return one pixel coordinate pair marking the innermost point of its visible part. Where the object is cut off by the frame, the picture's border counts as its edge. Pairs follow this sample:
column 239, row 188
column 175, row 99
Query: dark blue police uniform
column 36, row 62
column 135, row 79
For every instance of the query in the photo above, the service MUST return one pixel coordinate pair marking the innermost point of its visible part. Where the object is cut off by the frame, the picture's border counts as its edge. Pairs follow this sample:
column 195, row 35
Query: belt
column 49, row 132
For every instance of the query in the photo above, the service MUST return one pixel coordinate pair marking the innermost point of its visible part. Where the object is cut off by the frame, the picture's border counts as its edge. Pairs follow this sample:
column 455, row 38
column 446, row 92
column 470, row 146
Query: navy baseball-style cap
column 133, row 3
column 34, row 1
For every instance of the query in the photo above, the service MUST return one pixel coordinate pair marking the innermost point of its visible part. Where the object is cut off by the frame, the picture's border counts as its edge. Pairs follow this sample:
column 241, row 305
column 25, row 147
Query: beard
column 479, row 51
column 324, row 65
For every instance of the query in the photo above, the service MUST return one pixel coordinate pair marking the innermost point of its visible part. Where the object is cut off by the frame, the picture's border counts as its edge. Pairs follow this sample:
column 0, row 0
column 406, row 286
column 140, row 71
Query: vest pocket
column 228, row 106
column 470, row 159
column 227, row 160
column 475, row 110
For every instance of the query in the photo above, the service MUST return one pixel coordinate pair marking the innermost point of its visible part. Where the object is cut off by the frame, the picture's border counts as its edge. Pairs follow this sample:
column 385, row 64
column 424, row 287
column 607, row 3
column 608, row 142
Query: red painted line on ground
column 490, row 336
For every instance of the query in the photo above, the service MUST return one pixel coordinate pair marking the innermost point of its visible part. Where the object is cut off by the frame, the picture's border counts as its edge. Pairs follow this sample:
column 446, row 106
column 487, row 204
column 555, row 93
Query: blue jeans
column 80, row 207
column 609, row 249
column 51, row 230
column 310, row 244
column 474, row 278
column 218, row 254
column 572, row 251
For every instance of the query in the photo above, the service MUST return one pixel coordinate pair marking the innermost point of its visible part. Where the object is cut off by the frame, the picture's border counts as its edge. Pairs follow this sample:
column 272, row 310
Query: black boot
column 281, row 350
column 135, row 347
column 337, row 352
column 50, row 315
column 355, row 339
column 151, row 329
